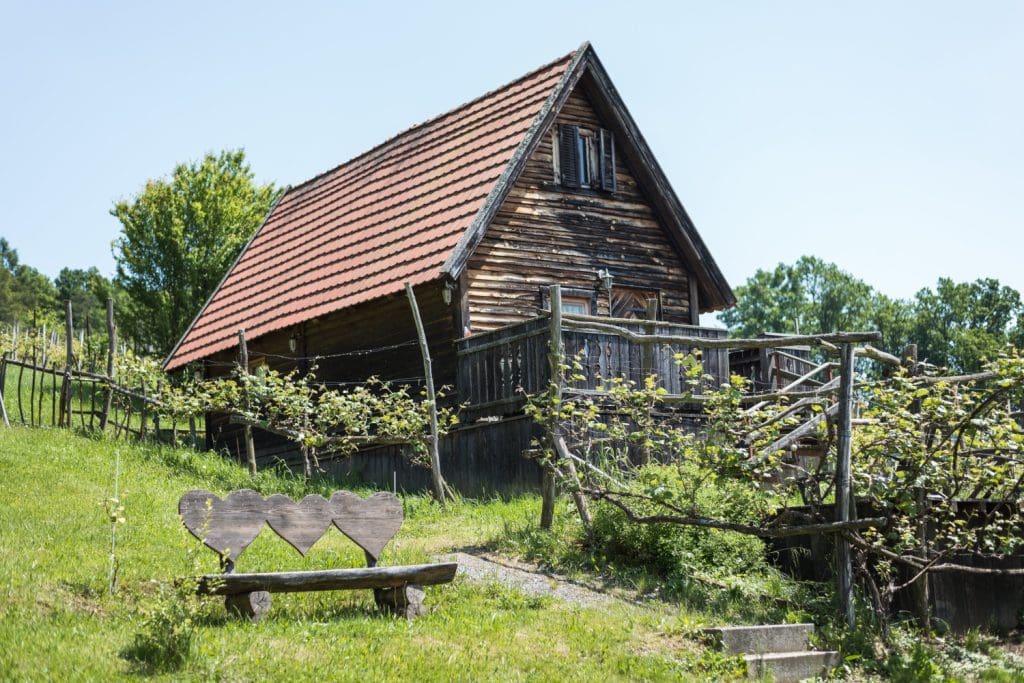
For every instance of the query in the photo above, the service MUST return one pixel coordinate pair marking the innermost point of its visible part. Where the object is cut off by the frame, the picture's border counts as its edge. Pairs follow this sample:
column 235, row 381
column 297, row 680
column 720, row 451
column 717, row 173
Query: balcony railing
column 497, row 369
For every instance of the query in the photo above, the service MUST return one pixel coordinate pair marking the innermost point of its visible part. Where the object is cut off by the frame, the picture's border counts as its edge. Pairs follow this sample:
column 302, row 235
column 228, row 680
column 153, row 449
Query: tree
column 179, row 236
column 24, row 291
column 961, row 324
column 956, row 325
column 810, row 296
column 88, row 291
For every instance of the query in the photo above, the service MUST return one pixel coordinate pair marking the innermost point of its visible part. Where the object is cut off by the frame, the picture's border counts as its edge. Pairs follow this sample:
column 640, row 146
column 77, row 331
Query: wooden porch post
column 844, row 565
column 547, row 511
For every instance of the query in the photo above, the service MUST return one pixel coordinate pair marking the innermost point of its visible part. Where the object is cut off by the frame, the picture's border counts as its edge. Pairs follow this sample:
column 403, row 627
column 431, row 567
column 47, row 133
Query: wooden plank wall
column 546, row 234
column 481, row 457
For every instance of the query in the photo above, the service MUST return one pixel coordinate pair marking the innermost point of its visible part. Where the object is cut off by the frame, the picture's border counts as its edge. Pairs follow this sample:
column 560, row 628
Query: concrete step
column 754, row 640
column 790, row 667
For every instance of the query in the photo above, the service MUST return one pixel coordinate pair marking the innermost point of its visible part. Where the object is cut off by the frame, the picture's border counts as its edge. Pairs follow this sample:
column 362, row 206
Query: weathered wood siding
column 547, row 234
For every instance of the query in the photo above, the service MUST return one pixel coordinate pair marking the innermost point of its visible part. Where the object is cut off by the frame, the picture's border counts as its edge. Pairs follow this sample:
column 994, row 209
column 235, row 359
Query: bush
column 165, row 641
column 670, row 548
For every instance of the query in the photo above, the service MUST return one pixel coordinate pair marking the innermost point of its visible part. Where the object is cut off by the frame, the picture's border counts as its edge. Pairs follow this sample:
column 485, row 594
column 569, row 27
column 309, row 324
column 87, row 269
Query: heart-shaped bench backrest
column 369, row 522
column 301, row 524
column 229, row 525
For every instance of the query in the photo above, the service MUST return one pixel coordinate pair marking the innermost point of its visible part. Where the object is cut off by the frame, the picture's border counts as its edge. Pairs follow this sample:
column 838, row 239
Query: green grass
column 58, row 620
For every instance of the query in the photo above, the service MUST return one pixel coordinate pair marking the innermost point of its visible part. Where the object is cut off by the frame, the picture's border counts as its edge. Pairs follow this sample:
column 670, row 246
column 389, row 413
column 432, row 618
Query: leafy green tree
column 961, row 324
column 810, row 296
column 956, row 325
column 87, row 290
column 179, row 236
column 24, row 291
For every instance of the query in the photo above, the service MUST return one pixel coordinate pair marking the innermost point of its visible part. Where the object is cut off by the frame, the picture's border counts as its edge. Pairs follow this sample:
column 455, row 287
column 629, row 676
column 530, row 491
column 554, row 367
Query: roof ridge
column 422, row 124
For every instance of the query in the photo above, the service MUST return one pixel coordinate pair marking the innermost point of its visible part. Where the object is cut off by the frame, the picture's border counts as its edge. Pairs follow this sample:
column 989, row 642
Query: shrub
column 164, row 642
column 670, row 548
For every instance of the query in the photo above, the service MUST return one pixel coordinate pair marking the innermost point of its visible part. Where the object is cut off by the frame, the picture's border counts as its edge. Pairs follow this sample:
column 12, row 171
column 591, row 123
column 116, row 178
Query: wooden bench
column 230, row 524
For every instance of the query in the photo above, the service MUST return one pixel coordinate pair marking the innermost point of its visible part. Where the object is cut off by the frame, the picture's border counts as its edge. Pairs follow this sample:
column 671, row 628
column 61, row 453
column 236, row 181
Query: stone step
column 753, row 640
column 790, row 667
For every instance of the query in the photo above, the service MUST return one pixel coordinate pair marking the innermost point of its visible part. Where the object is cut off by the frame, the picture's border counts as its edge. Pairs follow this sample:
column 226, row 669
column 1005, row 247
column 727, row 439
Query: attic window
column 586, row 160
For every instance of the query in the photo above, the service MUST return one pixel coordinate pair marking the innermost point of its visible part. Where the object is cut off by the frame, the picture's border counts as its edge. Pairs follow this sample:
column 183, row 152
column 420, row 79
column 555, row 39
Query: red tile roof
column 362, row 230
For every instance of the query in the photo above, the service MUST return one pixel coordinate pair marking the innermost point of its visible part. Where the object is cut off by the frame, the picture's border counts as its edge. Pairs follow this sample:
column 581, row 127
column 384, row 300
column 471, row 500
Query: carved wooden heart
column 301, row 524
column 369, row 522
column 229, row 525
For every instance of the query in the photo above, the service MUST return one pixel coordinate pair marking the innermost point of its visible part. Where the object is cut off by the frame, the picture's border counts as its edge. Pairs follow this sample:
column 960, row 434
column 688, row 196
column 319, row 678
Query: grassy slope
column 57, row 620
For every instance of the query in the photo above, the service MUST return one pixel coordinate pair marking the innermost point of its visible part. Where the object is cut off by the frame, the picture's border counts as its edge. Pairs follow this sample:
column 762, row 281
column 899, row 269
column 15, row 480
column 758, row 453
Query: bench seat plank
column 327, row 579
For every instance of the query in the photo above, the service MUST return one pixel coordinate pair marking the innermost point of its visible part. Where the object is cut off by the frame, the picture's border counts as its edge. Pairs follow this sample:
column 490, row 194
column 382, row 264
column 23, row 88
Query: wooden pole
column 844, row 499
column 547, row 511
column 3, row 386
column 243, row 363
column 111, row 351
column 69, row 332
column 919, row 589
column 433, row 442
column 156, row 412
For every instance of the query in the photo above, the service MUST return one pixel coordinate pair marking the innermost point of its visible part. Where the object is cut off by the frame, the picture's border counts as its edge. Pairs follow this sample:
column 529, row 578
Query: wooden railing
column 497, row 369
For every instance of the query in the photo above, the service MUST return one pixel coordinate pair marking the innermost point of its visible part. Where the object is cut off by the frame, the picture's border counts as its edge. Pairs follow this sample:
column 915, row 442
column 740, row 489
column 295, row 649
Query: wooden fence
column 39, row 396
column 36, row 391
column 497, row 369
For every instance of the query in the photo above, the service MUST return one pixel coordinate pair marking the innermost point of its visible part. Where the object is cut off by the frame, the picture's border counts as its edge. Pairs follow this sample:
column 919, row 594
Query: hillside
column 58, row 621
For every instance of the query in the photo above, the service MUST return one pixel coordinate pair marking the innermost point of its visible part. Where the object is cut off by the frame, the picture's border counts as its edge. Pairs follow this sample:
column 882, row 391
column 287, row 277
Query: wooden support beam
column 432, row 442
column 844, row 496
column 588, row 324
column 547, row 512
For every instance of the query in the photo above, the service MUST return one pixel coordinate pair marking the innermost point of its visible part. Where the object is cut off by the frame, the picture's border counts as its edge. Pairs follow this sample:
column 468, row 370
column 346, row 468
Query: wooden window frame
column 592, row 162
column 588, row 296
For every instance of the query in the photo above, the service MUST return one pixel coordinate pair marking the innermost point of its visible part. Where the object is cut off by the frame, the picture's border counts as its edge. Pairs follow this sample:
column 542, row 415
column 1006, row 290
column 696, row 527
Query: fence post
column 433, row 445
column 69, row 329
column 844, row 498
column 547, row 511
column 3, row 386
column 111, row 350
column 919, row 589
column 156, row 412
column 243, row 363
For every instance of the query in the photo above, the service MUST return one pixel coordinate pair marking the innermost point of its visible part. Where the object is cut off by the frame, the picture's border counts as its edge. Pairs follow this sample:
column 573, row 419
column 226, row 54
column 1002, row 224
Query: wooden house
column 546, row 180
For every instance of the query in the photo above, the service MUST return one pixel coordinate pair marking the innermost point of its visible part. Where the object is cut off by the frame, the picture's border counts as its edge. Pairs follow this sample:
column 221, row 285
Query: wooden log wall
column 546, row 234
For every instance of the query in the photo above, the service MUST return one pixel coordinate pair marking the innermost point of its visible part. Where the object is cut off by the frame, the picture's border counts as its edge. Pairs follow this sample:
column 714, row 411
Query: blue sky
column 886, row 137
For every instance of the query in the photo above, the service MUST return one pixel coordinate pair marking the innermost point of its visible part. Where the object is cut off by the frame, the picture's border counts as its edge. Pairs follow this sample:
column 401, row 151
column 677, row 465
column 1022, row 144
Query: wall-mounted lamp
column 446, row 292
column 606, row 278
column 293, row 342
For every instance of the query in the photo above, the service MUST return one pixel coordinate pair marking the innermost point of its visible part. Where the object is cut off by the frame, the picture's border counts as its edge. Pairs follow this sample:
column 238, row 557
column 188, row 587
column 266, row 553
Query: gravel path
column 526, row 578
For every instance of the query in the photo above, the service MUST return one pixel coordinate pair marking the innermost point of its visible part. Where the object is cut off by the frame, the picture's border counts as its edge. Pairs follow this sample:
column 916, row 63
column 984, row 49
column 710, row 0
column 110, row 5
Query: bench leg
column 405, row 601
column 249, row 605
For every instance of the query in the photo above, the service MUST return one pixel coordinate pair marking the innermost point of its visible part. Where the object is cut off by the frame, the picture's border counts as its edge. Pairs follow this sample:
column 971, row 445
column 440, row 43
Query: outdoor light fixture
column 446, row 292
column 293, row 342
column 606, row 278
